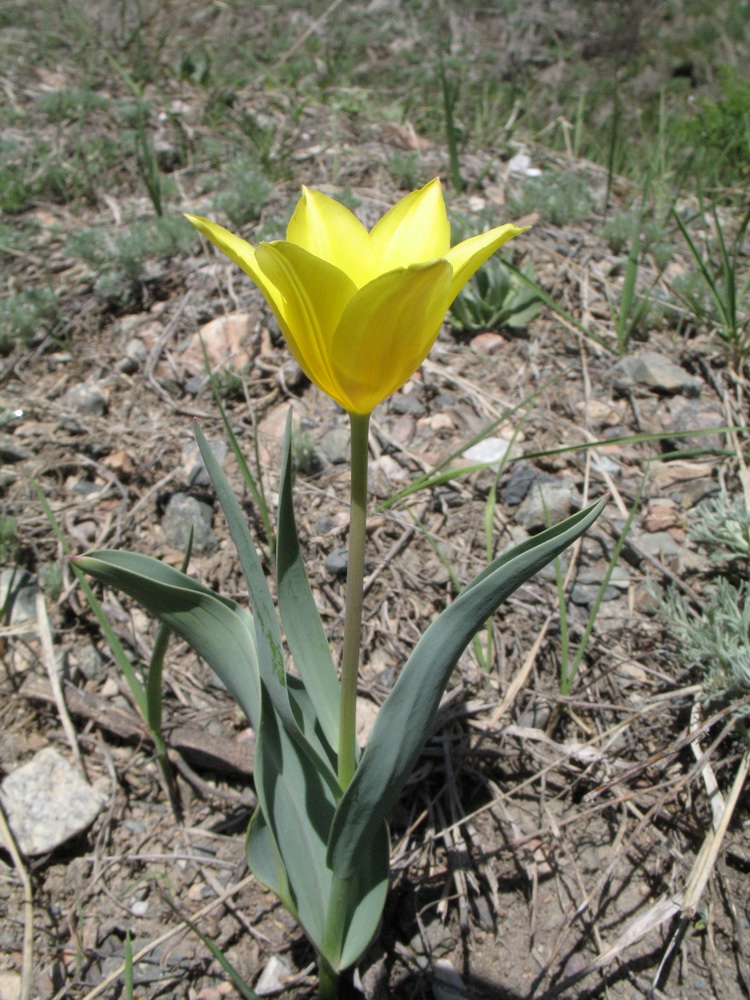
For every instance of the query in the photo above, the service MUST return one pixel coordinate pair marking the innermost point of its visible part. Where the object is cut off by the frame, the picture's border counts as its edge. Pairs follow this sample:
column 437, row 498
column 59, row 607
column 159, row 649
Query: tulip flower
column 360, row 310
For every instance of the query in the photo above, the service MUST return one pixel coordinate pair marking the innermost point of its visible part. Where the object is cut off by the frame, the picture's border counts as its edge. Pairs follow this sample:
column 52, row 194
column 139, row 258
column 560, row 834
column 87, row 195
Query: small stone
column 184, row 512
column 489, row 449
column 121, row 463
column 324, row 524
column 47, row 802
column 521, row 480
column 337, row 562
column 18, row 590
column 291, row 375
column 487, row 343
column 689, row 415
column 136, row 353
column 547, row 503
column 272, row 978
column 447, row 984
column 11, row 451
column 407, row 403
column 224, row 340
column 85, row 659
column 659, row 544
column 656, row 371
column 10, row 985
column 85, row 400
column 336, row 444
column 660, row 514
column 195, row 385
column 193, row 466
column 695, row 491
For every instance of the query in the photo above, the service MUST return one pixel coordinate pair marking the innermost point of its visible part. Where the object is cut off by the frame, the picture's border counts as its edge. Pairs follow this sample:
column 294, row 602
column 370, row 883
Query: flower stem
column 328, row 980
column 354, row 584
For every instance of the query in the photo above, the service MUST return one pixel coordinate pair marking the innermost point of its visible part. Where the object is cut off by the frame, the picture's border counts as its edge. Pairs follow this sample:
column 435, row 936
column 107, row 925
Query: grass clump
column 560, row 197
column 28, row 316
column 248, row 191
column 125, row 262
column 714, row 641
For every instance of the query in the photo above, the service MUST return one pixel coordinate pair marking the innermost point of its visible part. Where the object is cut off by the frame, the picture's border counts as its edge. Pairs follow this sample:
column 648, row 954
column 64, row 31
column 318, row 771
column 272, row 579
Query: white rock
column 47, row 802
column 489, row 449
column 272, row 977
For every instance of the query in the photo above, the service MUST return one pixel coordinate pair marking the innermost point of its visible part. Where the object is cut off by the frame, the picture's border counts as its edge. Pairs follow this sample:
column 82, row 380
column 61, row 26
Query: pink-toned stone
column 487, row 343
column 227, row 342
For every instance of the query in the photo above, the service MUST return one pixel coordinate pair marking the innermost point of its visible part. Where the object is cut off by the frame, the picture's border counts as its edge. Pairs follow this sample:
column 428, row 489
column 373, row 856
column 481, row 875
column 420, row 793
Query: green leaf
column 268, row 638
column 298, row 805
column 217, row 628
column 367, row 895
column 403, row 723
column 304, row 631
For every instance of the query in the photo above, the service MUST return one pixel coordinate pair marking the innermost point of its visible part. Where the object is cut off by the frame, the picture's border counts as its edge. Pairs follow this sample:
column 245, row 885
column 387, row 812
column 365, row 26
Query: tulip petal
column 237, row 249
column 467, row 257
column 416, row 229
column 328, row 230
column 308, row 296
column 387, row 330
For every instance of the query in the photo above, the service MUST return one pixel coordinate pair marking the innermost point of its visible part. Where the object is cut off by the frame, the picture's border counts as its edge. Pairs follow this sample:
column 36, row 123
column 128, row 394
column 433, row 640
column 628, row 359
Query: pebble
column 85, row 400
column 489, row 449
column 11, row 451
column 10, row 985
column 23, row 589
column 521, row 480
column 547, row 503
column 487, row 343
column 135, row 354
column 182, row 513
column 407, row 403
column 291, row 375
column 47, row 802
column 272, row 978
column 336, row 445
column 656, row 371
column 337, row 562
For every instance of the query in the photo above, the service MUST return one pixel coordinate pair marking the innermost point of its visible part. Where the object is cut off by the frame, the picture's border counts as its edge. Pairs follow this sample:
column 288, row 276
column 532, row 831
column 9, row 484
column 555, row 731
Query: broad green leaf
column 299, row 616
column 309, row 724
column 404, row 720
column 367, row 894
column 264, row 860
column 217, row 628
column 268, row 638
column 298, row 805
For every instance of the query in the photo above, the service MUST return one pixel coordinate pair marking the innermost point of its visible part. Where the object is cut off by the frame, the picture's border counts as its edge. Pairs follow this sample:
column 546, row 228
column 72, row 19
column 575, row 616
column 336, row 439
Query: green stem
column 353, row 615
column 328, row 980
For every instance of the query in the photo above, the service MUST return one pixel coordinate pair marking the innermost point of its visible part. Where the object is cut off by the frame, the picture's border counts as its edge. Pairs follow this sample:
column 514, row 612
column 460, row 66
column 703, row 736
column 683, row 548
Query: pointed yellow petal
column 237, row 249
column 387, row 331
column 467, row 257
column 327, row 229
column 414, row 230
column 309, row 296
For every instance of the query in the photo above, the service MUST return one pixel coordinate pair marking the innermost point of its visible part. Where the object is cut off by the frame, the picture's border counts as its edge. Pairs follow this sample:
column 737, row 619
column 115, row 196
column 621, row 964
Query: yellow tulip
column 360, row 310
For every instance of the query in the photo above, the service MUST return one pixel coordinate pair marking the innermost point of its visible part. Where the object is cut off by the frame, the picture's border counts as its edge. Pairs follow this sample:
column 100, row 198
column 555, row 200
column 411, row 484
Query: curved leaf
column 304, row 631
column 298, row 806
column 268, row 638
column 217, row 628
column 403, row 722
